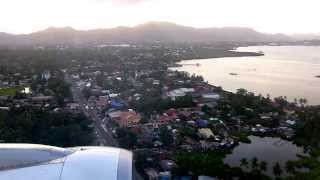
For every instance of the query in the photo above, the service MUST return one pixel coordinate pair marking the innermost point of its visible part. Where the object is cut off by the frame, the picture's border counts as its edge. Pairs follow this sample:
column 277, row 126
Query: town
column 178, row 125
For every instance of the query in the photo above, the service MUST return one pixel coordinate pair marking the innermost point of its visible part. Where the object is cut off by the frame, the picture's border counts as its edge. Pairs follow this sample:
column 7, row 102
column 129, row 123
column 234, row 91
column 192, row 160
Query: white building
column 205, row 133
column 212, row 96
column 179, row 93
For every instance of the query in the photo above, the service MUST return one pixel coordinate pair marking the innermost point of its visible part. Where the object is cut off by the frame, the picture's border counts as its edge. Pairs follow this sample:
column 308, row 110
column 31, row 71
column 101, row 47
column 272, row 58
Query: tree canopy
column 33, row 125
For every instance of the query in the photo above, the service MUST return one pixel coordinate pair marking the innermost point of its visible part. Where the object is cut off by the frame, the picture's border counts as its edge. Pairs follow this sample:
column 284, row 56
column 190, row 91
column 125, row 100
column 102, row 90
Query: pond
column 267, row 149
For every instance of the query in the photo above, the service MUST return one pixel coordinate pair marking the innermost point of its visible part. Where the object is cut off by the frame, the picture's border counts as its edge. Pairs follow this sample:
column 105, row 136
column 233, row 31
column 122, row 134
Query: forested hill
column 148, row 32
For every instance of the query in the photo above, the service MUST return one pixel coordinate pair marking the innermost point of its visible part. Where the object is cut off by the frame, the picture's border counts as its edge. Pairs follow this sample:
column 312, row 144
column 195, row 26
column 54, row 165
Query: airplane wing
column 40, row 162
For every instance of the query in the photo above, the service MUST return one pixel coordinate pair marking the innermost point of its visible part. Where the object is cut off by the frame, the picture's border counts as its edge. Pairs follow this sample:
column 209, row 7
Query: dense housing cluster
column 130, row 96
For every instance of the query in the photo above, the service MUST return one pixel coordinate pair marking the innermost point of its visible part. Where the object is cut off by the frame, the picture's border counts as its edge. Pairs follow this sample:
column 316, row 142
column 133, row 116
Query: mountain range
column 148, row 32
column 310, row 36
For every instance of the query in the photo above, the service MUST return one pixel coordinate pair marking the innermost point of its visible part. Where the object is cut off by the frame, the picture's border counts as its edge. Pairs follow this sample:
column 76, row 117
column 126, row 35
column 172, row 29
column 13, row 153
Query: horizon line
column 150, row 22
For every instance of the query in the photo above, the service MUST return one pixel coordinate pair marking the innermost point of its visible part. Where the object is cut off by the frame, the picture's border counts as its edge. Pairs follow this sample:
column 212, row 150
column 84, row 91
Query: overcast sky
column 272, row 16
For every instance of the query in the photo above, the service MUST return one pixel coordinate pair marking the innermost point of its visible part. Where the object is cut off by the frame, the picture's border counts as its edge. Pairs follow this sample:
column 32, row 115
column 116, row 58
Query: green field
column 9, row 91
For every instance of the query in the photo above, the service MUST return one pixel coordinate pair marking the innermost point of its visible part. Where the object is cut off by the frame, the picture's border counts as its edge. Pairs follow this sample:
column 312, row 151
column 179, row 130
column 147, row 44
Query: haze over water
column 283, row 71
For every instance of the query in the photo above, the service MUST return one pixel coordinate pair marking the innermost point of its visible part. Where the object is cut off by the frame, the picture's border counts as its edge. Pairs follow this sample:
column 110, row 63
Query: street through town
column 102, row 129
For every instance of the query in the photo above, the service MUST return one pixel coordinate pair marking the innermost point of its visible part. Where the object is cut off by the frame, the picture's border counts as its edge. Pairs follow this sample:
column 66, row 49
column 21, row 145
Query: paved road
column 103, row 133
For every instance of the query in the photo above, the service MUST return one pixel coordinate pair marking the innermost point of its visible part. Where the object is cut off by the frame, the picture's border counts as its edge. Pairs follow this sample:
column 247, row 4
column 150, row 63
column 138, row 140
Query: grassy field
column 9, row 91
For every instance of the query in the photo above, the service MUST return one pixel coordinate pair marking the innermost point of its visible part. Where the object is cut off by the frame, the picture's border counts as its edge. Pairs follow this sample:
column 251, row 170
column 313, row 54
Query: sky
column 270, row 16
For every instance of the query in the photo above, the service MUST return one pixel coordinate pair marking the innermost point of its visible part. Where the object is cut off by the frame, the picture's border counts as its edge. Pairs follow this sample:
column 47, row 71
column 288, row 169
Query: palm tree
column 301, row 101
column 244, row 162
column 277, row 170
column 295, row 100
column 242, row 92
column 305, row 101
column 254, row 163
column 268, row 96
column 263, row 166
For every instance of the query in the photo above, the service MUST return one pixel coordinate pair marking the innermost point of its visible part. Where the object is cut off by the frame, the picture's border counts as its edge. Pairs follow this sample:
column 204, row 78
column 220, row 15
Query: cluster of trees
column 243, row 99
column 261, row 166
column 246, row 104
column 126, row 138
column 150, row 104
column 211, row 164
column 21, row 64
column 33, row 125
column 30, row 61
column 143, row 159
column 165, row 136
column 55, row 86
column 311, row 166
column 204, row 53
column 60, row 88
column 308, row 133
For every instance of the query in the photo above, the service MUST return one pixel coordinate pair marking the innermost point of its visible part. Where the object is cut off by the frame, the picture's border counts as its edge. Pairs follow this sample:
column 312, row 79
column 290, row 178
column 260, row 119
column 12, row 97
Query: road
column 103, row 133
column 102, row 129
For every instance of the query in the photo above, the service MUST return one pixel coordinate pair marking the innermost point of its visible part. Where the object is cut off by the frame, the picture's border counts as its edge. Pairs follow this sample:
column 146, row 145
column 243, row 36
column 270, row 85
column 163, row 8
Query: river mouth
column 268, row 149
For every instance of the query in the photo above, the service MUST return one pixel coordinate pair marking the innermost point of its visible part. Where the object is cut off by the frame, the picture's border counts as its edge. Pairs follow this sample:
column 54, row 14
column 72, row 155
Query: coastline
column 263, row 75
column 223, row 53
column 212, row 53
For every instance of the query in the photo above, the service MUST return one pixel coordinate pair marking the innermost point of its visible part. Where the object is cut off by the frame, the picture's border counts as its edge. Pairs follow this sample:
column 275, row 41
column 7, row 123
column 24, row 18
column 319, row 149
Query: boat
column 233, row 74
column 187, row 64
column 261, row 53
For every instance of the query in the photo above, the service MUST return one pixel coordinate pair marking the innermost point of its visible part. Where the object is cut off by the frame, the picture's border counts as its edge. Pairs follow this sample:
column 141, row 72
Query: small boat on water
column 197, row 64
column 317, row 76
column 233, row 74
column 261, row 53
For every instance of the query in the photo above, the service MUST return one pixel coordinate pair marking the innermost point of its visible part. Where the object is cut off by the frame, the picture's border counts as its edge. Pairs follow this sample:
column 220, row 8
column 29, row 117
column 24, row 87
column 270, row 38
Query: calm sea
column 284, row 71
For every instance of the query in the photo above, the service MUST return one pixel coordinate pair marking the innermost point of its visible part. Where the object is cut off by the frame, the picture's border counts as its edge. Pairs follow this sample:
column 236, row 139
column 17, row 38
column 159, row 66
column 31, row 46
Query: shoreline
column 235, row 54
column 213, row 53
column 179, row 65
